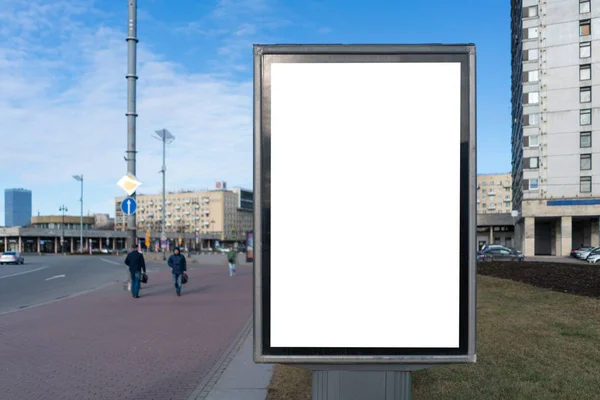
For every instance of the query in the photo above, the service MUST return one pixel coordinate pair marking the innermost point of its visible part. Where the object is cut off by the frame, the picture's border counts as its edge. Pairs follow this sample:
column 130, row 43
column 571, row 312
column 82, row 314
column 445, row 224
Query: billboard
column 394, row 126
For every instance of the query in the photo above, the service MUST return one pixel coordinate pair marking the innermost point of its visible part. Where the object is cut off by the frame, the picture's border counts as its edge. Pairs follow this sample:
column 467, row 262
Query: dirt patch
column 290, row 383
column 579, row 279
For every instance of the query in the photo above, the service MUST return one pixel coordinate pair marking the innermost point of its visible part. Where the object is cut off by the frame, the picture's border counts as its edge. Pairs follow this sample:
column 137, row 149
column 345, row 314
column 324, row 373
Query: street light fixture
column 63, row 209
column 80, row 179
column 165, row 137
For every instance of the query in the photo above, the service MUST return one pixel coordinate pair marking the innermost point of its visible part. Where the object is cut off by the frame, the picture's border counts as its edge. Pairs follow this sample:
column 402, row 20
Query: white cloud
column 63, row 103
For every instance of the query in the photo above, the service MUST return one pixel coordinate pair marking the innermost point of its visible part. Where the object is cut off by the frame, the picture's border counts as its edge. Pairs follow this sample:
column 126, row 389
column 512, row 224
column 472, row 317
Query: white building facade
column 556, row 123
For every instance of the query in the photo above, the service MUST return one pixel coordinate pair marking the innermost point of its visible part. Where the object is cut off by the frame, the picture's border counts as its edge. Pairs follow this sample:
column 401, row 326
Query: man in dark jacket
column 178, row 267
column 135, row 262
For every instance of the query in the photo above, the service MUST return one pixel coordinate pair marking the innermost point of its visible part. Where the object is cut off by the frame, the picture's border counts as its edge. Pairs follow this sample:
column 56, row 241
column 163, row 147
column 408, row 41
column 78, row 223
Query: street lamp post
column 165, row 137
column 80, row 179
column 64, row 209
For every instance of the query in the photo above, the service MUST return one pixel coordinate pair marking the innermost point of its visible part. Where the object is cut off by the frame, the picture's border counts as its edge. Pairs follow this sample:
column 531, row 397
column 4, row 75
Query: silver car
column 11, row 257
column 583, row 255
column 593, row 258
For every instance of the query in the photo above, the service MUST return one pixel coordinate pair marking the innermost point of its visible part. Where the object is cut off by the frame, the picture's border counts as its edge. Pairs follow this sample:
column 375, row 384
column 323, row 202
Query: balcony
column 169, row 202
column 150, row 215
column 178, row 208
column 187, row 201
column 168, row 224
column 492, row 206
column 187, row 213
column 506, row 184
column 491, row 193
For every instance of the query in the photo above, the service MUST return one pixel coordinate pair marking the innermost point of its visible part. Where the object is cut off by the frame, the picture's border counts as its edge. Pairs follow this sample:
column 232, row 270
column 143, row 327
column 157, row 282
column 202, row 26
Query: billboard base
column 371, row 385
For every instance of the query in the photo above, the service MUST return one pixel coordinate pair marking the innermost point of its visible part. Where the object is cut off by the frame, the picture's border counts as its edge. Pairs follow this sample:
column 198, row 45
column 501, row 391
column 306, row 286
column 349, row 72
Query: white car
column 583, row 255
column 593, row 259
column 11, row 257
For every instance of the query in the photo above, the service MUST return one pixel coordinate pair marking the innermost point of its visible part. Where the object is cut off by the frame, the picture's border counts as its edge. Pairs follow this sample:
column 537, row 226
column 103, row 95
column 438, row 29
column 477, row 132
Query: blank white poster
column 365, row 197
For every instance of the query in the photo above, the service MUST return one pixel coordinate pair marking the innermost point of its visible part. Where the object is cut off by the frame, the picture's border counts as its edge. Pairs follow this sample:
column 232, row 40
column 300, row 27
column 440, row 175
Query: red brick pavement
column 107, row 345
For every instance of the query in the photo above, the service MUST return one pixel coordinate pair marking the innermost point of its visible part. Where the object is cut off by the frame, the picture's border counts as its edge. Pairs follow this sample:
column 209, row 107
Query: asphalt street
column 49, row 278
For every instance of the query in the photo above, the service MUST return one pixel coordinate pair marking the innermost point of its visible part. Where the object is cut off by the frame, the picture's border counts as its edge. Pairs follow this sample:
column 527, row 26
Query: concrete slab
column 243, row 379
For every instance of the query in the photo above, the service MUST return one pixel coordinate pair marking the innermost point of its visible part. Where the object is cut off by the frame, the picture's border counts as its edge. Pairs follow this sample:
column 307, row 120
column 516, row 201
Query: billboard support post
column 328, row 119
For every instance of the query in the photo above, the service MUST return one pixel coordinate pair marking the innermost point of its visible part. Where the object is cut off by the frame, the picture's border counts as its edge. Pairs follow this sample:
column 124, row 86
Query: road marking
column 109, row 261
column 22, row 273
column 55, row 277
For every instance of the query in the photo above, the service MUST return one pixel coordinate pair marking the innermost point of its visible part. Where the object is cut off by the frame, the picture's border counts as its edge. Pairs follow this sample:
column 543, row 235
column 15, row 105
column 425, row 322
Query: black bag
column 184, row 278
column 144, row 278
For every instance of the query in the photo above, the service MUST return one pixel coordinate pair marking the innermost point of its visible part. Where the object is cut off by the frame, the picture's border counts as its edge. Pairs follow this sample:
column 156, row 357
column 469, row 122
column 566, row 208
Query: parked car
column 11, row 257
column 593, row 258
column 575, row 252
column 583, row 255
column 500, row 253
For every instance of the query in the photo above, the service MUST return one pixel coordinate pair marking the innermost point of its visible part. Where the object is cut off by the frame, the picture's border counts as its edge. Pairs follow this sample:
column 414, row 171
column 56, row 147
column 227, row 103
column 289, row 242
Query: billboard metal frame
column 343, row 358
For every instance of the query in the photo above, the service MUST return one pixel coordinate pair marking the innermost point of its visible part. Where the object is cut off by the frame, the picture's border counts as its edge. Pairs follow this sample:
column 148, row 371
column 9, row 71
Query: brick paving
column 107, row 345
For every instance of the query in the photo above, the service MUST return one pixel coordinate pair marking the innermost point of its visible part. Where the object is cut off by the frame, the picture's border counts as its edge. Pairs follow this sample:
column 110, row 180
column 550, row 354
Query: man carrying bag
column 137, row 266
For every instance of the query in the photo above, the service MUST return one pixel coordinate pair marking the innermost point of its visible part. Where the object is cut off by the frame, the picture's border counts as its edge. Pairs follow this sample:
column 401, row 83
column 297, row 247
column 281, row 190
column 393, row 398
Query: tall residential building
column 556, row 116
column 494, row 194
column 226, row 213
column 17, row 207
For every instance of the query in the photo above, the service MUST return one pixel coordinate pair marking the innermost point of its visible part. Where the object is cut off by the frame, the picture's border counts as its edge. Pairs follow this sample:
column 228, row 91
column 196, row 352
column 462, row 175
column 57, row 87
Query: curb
column 212, row 377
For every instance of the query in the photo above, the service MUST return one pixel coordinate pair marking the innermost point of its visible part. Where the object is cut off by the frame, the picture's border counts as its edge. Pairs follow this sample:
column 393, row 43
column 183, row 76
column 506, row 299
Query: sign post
column 364, row 113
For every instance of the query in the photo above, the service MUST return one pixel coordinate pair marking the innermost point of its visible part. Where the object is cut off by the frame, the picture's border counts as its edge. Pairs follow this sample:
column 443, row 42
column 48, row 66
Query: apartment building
column 494, row 194
column 556, row 117
column 215, row 213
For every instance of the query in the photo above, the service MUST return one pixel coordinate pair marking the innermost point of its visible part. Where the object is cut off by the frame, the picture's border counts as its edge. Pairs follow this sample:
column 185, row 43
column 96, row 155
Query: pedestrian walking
column 136, row 263
column 232, row 259
column 178, row 267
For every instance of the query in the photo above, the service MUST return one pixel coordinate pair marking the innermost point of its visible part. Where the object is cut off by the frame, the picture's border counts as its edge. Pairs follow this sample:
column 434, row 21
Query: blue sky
column 63, row 87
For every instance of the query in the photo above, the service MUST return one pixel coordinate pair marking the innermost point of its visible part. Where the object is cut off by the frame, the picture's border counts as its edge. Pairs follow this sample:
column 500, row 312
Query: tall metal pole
column 79, row 178
column 164, row 194
column 131, row 111
column 166, row 137
column 81, row 218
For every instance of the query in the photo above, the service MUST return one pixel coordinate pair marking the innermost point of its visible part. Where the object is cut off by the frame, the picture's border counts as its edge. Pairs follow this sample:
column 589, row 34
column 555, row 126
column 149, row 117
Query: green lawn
column 532, row 344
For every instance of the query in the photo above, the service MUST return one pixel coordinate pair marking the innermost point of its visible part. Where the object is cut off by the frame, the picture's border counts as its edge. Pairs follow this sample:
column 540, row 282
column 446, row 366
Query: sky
column 63, row 92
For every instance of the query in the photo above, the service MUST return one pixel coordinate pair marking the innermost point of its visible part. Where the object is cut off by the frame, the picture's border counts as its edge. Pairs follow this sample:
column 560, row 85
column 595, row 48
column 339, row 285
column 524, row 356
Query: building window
column 531, row 98
column 532, row 11
column 585, row 117
column 585, row 27
column 585, row 94
column 585, row 49
column 530, row 55
column 585, row 162
column 531, row 141
column 585, row 72
column 585, row 139
column 585, row 184
column 531, row 76
column 530, row 33
column 532, row 162
column 584, row 6
column 533, row 183
column 531, row 119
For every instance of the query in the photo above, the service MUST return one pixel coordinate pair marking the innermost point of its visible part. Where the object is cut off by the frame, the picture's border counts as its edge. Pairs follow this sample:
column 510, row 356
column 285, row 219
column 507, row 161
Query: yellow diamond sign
column 129, row 184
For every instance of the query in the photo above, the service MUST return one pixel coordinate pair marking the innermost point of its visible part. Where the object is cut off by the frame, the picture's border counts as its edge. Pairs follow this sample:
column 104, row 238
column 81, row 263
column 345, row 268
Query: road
column 106, row 345
column 49, row 278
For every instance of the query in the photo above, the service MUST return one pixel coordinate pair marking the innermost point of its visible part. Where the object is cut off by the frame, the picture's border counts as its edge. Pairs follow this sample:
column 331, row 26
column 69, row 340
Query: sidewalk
column 235, row 375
